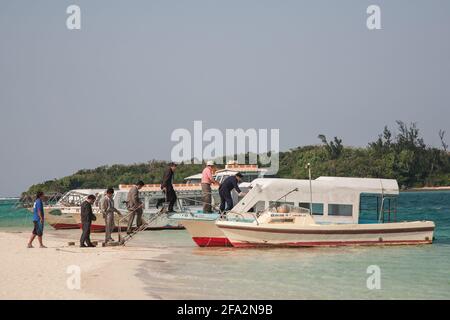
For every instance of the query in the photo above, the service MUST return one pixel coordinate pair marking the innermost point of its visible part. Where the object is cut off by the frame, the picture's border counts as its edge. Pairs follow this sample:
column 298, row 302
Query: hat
column 209, row 163
column 239, row 175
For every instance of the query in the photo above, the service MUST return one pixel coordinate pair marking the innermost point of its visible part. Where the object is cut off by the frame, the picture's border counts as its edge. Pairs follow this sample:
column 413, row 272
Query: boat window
column 192, row 202
column 249, row 177
column 98, row 199
column 221, row 178
column 279, row 203
column 193, row 181
column 260, row 206
column 121, row 198
column 340, row 210
column 281, row 220
column 317, row 208
column 153, row 202
column 370, row 210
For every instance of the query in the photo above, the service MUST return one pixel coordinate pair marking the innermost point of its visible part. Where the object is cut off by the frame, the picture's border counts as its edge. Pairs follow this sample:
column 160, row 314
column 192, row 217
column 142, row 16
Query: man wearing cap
column 207, row 180
column 230, row 183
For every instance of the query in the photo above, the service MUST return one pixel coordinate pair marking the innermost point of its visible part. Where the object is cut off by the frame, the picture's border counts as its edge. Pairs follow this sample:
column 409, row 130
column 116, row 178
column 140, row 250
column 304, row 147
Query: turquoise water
column 189, row 272
column 12, row 217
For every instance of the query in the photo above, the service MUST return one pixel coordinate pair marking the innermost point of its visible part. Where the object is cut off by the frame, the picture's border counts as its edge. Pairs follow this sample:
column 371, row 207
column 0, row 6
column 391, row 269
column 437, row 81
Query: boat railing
column 213, row 206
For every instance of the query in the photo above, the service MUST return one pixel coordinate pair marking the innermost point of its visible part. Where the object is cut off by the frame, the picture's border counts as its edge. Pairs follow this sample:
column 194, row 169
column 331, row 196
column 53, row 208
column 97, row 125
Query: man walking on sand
column 87, row 216
column 207, row 181
column 134, row 206
column 38, row 220
column 108, row 210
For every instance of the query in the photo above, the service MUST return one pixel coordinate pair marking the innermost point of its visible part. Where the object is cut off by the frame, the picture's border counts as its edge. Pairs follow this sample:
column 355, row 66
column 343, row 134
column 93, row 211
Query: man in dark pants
column 87, row 216
column 167, row 186
column 225, row 189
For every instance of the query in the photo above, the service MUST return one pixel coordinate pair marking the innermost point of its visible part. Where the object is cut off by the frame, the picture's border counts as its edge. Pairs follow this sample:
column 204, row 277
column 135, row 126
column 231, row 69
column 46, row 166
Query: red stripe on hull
column 212, row 242
column 331, row 243
column 60, row 226
column 97, row 228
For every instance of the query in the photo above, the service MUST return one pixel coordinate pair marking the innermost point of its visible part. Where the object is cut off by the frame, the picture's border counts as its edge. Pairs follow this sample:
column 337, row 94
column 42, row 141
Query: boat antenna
column 285, row 195
column 308, row 165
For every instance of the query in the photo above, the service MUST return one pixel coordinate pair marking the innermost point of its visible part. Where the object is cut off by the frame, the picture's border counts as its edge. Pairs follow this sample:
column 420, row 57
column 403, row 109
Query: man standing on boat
column 38, row 220
column 134, row 206
column 207, row 180
column 167, row 185
column 230, row 183
column 108, row 210
column 87, row 216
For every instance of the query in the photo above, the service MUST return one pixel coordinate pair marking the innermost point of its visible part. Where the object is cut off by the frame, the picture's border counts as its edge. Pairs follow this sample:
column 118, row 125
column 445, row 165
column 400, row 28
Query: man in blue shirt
column 225, row 189
column 38, row 220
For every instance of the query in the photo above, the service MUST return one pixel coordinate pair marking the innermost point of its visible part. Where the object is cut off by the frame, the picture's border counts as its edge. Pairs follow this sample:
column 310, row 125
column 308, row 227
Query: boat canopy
column 335, row 199
column 86, row 191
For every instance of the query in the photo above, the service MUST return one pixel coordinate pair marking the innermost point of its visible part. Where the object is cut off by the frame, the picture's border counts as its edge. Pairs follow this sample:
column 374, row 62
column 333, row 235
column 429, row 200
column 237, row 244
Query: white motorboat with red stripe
column 345, row 211
column 287, row 226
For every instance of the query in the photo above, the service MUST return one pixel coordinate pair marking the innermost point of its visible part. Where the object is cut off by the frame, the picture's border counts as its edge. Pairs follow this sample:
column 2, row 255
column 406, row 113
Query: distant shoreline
column 444, row 188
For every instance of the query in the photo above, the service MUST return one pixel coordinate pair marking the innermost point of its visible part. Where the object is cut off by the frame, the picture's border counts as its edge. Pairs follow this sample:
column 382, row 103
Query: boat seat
column 283, row 209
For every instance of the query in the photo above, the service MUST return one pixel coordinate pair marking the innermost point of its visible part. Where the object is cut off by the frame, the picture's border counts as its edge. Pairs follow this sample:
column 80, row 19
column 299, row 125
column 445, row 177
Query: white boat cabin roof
column 85, row 191
column 342, row 185
column 364, row 185
column 338, row 197
column 197, row 176
column 242, row 168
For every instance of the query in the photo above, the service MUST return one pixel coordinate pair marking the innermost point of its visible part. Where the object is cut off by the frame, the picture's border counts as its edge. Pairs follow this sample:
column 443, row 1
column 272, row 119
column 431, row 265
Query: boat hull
column 59, row 219
column 63, row 226
column 403, row 233
column 205, row 233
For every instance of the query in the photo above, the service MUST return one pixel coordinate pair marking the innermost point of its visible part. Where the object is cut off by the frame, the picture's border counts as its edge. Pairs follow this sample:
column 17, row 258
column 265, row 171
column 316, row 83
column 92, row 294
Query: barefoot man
column 38, row 220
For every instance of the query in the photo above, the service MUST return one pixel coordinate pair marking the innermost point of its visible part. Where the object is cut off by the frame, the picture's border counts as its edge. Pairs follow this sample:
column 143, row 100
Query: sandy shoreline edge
column 105, row 273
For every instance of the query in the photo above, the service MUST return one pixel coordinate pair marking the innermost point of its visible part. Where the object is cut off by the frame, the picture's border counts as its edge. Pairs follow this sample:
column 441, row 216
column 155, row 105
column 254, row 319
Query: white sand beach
column 105, row 272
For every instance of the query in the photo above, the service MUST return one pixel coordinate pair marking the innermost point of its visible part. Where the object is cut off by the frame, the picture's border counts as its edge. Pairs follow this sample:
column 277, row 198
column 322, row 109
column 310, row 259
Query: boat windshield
column 72, row 198
column 286, row 208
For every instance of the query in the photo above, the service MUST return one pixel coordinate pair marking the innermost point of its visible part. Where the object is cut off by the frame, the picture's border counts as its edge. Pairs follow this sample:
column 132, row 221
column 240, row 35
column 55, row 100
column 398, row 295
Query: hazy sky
column 114, row 91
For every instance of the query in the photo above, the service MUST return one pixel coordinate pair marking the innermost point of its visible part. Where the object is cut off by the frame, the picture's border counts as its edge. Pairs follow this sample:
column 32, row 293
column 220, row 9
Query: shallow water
column 407, row 272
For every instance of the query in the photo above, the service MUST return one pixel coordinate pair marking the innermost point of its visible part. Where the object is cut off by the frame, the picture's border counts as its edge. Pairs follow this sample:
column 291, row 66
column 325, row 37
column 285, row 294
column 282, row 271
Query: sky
column 114, row 91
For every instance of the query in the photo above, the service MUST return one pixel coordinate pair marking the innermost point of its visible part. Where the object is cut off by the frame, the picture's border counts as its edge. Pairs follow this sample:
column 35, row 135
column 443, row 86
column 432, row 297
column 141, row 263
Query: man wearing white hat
column 207, row 180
